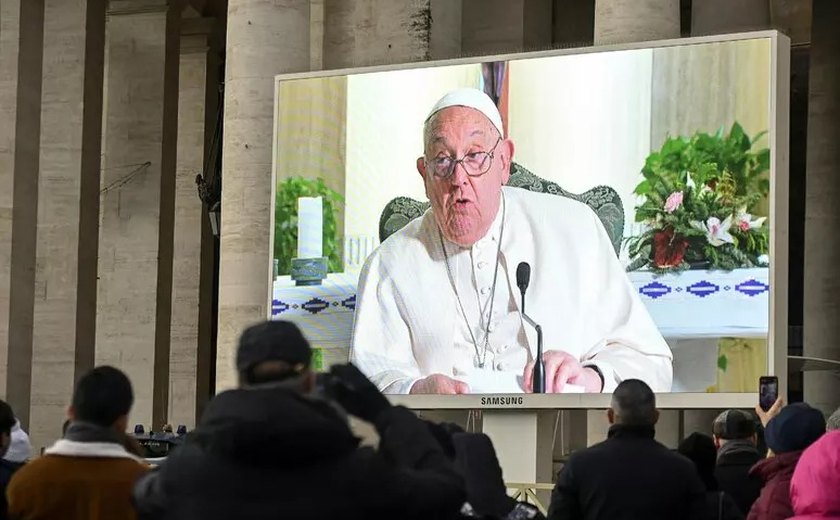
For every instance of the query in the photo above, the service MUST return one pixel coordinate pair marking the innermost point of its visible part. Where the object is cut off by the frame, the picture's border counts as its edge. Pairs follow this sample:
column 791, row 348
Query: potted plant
column 699, row 195
column 285, row 220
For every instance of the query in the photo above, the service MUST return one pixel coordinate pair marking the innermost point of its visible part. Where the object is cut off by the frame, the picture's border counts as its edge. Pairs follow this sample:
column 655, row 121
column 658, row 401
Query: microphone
column 523, row 278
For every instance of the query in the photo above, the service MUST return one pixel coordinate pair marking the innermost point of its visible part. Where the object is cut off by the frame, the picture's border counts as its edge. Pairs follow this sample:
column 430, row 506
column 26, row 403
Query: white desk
column 703, row 304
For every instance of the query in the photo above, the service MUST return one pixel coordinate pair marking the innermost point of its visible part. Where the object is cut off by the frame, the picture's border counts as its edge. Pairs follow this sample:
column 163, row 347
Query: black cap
column 273, row 341
column 734, row 424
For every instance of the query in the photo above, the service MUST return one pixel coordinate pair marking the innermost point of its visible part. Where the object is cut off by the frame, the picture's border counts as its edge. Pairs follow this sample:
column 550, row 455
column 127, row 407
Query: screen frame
column 778, row 142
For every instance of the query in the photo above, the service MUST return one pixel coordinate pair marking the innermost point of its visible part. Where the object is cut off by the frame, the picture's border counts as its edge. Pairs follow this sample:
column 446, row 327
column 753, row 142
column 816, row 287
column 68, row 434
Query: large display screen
column 637, row 186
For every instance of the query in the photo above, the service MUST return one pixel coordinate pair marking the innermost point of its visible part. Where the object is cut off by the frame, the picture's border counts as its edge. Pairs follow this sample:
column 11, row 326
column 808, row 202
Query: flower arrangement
column 699, row 195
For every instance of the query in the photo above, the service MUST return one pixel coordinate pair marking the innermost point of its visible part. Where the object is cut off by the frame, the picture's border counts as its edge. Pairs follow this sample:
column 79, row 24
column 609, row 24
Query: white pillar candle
column 310, row 227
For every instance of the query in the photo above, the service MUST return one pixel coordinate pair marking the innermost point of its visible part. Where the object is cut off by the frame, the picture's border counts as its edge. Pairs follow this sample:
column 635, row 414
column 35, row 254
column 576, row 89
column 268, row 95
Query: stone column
column 68, row 208
column 21, row 46
column 792, row 17
column 197, row 104
column 729, row 16
column 137, row 200
column 822, row 212
column 498, row 26
column 367, row 32
column 264, row 38
column 622, row 21
column 316, row 34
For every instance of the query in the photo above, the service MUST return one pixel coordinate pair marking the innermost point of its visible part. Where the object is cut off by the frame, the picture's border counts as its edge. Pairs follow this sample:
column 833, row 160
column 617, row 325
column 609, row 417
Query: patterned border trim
column 703, row 288
column 314, row 305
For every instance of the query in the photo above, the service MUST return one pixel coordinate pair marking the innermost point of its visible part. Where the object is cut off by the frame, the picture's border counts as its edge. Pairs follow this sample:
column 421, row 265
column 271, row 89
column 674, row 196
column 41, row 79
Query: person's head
column 833, row 422
column 795, row 428
column 466, row 161
column 7, row 421
column 103, row 397
column 700, row 449
column 734, row 425
column 275, row 353
column 633, row 404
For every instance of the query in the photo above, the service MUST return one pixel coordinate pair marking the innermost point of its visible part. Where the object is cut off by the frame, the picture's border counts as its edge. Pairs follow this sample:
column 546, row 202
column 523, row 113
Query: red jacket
column 774, row 501
column 815, row 488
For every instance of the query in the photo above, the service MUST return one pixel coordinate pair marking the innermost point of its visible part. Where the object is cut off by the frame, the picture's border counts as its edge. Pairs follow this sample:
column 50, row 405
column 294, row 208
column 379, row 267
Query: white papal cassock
column 409, row 325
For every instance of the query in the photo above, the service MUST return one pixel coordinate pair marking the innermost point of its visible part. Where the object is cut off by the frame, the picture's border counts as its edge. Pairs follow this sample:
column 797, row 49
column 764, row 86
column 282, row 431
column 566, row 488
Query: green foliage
column 719, row 176
column 286, row 221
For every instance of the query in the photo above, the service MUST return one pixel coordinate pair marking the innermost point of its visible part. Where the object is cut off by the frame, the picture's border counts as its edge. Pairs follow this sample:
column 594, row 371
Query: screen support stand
column 524, row 442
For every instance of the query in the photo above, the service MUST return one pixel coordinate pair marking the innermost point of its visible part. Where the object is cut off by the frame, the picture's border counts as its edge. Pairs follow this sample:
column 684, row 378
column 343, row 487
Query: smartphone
column 768, row 391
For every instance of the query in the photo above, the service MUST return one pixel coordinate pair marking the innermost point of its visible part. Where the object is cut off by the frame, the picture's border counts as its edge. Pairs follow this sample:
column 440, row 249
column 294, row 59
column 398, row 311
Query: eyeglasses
column 475, row 164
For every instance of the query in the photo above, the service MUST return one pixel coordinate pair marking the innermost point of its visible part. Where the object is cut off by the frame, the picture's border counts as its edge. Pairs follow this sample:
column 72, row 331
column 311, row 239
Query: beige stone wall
column 499, row 26
column 68, row 185
column 137, row 203
column 196, row 111
column 621, row 21
column 365, row 32
column 9, row 36
column 21, row 206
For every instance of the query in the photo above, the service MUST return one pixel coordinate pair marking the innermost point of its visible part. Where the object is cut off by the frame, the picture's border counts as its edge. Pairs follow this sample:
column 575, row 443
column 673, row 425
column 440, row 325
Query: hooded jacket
column 734, row 461
column 273, row 453
column 815, row 486
column 774, row 501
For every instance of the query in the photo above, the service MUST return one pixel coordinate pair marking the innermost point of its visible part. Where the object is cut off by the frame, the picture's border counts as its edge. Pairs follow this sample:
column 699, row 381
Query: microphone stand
column 538, row 378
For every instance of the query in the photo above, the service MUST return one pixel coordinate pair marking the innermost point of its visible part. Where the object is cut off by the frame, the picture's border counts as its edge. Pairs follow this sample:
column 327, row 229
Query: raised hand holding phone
column 769, row 402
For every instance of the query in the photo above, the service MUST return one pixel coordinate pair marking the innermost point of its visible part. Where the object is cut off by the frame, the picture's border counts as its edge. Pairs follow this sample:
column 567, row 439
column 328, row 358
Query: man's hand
column 772, row 412
column 439, row 384
column 562, row 368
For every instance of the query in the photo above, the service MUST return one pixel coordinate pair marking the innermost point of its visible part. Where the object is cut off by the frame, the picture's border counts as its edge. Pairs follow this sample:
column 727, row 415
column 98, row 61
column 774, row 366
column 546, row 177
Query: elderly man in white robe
column 438, row 311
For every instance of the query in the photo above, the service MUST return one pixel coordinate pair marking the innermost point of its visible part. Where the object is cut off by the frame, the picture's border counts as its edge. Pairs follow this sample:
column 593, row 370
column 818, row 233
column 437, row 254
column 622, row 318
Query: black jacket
column 720, row 506
column 476, row 461
column 628, row 476
column 735, row 458
column 7, row 469
column 272, row 453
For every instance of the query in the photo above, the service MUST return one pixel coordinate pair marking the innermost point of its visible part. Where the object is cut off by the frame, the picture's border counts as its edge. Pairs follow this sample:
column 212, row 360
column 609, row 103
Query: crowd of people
column 280, row 446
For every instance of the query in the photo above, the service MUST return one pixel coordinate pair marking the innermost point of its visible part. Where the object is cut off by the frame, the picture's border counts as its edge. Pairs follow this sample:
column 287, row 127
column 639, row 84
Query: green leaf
column 757, row 137
column 722, row 362
column 317, row 359
column 643, row 188
column 673, row 146
column 763, row 160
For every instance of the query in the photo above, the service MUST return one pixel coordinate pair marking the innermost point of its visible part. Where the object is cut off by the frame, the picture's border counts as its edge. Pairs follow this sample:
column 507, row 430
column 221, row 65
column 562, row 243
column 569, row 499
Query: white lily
column 745, row 220
column 717, row 232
